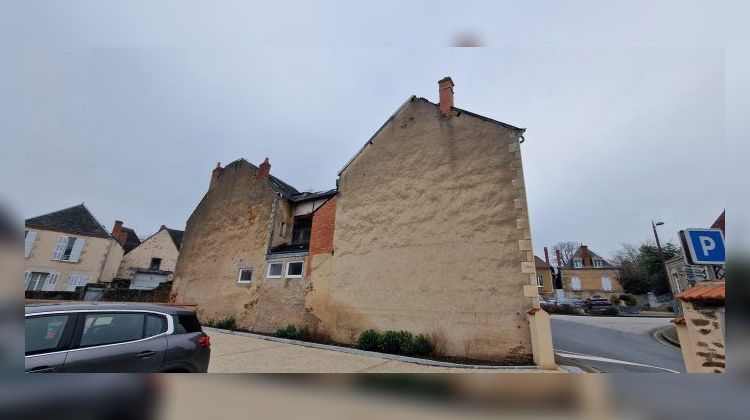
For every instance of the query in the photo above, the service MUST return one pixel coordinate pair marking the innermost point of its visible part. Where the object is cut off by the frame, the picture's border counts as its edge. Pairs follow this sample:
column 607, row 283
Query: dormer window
column 598, row 263
column 301, row 230
column 577, row 264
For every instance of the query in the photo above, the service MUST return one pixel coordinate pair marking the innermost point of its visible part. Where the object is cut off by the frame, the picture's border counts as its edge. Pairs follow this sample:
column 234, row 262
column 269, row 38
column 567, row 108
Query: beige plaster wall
column 591, row 282
column 229, row 230
column 99, row 259
column 159, row 245
column 702, row 340
column 432, row 236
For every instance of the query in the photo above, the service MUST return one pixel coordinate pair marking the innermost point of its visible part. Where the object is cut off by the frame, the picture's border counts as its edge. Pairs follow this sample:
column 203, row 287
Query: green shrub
column 369, row 340
column 629, row 299
column 563, row 309
column 293, row 332
column 227, row 323
column 615, row 300
column 421, row 346
column 396, row 342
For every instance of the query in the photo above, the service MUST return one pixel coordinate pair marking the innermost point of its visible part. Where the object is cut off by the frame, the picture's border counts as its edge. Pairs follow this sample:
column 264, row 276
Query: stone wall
column 159, row 245
column 591, row 282
column 702, row 339
column 432, row 236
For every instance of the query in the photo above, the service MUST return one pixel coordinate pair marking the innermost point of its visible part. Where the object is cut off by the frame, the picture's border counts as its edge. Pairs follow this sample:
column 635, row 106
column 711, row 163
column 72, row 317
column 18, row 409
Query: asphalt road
column 615, row 344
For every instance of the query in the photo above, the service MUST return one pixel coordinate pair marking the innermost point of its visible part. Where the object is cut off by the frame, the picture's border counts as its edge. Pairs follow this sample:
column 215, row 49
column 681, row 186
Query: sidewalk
column 239, row 352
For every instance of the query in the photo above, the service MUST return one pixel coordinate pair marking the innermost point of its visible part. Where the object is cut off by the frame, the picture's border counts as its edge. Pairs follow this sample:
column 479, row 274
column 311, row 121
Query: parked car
column 112, row 337
column 599, row 305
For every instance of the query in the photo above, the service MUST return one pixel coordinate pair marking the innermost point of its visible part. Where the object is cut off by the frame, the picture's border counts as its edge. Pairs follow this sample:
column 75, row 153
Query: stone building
column 702, row 329
column 153, row 261
column 587, row 274
column 544, row 277
column 427, row 232
column 68, row 248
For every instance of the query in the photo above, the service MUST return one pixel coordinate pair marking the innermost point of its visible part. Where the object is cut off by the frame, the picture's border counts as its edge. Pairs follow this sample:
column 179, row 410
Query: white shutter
column 27, row 280
column 29, row 242
column 606, row 284
column 72, row 282
column 575, row 283
column 51, row 283
column 75, row 253
column 62, row 243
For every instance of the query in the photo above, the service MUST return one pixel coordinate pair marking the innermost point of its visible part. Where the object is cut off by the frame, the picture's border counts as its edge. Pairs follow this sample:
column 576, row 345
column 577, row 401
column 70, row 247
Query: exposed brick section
column 117, row 232
column 321, row 233
column 445, row 88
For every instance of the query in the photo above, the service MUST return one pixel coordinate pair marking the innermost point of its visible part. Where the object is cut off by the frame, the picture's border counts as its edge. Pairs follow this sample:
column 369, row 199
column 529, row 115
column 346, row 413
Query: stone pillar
column 541, row 339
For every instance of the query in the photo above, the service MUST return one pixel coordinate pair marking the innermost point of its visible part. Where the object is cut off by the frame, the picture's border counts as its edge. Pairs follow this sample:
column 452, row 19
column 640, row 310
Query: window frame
column 239, row 275
column 609, row 280
column 598, row 264
column 268, row 270
column 539, row 280
column 151, row 263
column 573, row 280
column 294, row 276
column 577, row 264
column 65, row 336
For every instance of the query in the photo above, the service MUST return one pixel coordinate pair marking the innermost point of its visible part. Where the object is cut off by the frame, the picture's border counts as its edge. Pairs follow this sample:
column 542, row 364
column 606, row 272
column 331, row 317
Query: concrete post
column 541, row 339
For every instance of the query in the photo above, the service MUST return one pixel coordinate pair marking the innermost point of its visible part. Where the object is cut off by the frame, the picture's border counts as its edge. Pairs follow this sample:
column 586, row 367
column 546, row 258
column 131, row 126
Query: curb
column 386, row 356
column 660, row 336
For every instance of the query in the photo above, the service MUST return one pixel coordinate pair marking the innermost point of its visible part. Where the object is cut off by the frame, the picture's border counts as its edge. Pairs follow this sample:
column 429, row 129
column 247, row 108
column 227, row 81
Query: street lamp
column 658, row 248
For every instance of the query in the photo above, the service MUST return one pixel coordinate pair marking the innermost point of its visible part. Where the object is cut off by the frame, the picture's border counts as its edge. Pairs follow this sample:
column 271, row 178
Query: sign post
column 704, row 247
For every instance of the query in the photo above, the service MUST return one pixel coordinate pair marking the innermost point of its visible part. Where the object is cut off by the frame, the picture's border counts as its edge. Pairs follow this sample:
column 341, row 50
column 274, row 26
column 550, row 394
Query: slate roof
column 307, row 196
column 275, row 183
column 704, row 293
column 131, row 240
column 76, row 220
column 593, row 255
column 176, row 236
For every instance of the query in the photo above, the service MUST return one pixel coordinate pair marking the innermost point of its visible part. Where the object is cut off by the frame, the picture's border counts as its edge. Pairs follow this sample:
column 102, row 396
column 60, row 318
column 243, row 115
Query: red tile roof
column 708, row 292
column 539, row 263
column 719, row 223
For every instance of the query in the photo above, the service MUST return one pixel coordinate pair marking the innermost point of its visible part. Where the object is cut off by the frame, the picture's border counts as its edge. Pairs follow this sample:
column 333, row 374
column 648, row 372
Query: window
column 274, row 270
column 43, row 333
column 294, row 269
column 68, row 249
column 301, row 230
column 101, row 329
column 187, row 324
column 598, row 263
column 575, row 283
column 76, row 280
column 155, row 264
column 40, row 281
column 29, row 238
column 155, row 324
column 539, row 281
column 606, row 284
column 577, row 263
column 245, row 275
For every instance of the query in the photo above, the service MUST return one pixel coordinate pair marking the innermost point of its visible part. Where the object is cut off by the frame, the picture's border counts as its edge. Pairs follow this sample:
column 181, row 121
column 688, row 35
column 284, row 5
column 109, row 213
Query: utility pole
column 658, row 249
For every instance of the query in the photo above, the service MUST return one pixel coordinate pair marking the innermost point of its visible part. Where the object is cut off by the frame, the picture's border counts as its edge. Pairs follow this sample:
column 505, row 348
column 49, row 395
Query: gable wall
column 159, row 245
column 432, row 236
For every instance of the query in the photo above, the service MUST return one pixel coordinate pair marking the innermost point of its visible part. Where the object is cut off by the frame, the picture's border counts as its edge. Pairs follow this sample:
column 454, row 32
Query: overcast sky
column 129, row 110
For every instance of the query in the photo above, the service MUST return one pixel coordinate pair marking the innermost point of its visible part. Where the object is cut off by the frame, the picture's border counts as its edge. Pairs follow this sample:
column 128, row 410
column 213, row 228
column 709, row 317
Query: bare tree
column 628, row 254
column 567, row 250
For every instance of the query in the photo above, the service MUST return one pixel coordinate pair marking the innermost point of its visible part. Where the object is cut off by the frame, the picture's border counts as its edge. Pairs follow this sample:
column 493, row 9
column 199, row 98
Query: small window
column 539, row 281
column 598, row 264
column 275, row 270
column 155, row 264
column 101, row 329
column 155, row 324
column 575, row 283
column 294, row 269
column 578, row 264
column 43, row 333
column 301, row 230
column 245, row 275
column 606, row 284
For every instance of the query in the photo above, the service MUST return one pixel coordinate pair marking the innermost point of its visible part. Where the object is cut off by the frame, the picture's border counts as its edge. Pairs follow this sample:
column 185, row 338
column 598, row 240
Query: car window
column 155, row 324
column 44, row 332
column 187, row 324
column 108, row 328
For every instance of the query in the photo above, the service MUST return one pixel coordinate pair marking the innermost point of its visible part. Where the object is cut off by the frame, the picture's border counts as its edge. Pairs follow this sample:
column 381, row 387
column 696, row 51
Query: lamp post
column 658, row 248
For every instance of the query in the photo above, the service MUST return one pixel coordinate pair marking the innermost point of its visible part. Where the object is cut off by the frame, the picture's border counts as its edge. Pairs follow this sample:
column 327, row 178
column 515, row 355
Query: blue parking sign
column 704, row 246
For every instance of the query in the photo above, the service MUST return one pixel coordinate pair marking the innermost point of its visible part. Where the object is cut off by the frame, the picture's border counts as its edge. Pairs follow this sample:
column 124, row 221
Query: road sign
column 703, row 246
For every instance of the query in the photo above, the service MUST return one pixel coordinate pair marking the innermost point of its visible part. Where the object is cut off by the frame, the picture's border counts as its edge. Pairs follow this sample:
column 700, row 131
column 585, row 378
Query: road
column 615, row 344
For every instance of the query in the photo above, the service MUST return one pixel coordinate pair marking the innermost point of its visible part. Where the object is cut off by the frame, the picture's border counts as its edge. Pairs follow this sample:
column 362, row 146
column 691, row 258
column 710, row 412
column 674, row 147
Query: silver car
column 109, row 337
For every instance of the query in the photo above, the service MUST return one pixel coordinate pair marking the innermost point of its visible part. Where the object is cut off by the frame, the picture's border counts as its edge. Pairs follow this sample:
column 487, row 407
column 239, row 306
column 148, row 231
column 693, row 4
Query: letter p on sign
column 707, row 245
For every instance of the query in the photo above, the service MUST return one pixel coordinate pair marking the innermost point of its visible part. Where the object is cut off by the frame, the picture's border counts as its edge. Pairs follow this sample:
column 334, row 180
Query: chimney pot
column 585, row 256
column 445, row 89
column 263, row 170
column 117, row 232
column 546, row 255
column 162, row 227
column 559, row 258
column 215, row 175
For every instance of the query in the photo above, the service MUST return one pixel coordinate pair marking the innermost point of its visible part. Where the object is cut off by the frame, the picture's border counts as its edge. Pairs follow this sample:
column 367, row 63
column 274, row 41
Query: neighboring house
column 68, row 248
column 588, row 274
column 153, row 261
column 125, row 236
column 544, row 278
column 427, row 231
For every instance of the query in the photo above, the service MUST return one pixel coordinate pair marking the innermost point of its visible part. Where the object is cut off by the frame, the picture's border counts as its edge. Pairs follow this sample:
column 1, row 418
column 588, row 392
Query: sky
column 129, row 108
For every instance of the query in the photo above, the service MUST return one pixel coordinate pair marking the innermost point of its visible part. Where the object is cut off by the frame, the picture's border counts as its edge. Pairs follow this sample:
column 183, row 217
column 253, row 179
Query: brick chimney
column 263, row 170
column 163, row 227
column 117, row 232
column 445, row 88
column 546, row 255
column 559, row 258
column 585, row 256
column 215, row 175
